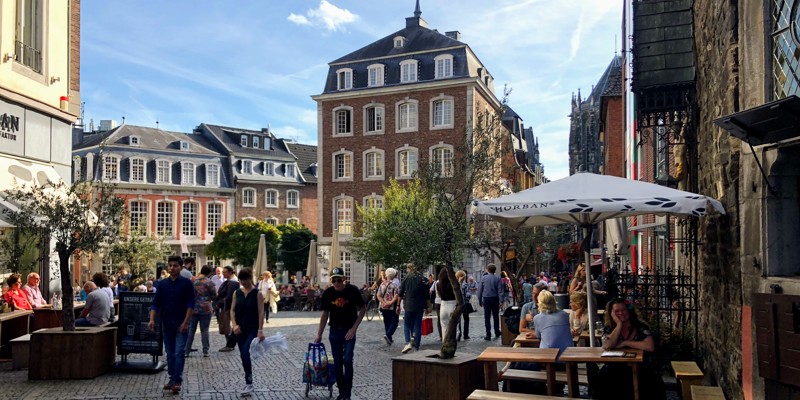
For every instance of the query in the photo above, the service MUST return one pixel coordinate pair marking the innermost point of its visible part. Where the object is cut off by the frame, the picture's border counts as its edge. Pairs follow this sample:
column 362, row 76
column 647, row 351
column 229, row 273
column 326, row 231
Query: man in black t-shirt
column 343, row 303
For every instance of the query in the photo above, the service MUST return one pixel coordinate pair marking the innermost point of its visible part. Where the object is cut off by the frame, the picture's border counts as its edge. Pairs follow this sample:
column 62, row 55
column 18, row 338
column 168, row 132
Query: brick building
column 175, row 185
column 272, row 183
column 400, row 100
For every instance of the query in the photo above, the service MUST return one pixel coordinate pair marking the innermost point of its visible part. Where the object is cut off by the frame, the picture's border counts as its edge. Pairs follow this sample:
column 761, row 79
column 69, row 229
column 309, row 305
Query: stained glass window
column 786, row 47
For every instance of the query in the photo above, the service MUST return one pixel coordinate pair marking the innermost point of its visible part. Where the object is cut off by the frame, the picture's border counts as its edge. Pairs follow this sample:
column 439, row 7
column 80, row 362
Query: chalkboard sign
column 133, row 335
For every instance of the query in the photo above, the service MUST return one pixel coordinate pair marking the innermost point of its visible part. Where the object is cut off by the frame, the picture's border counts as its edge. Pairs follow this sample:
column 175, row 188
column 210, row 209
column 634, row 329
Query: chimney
column 455, row 35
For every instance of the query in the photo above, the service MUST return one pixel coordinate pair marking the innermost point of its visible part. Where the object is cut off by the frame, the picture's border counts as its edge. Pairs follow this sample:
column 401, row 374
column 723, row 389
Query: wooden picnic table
column 574, row 355
column 12, row 325
column 492, row 355
column 522, row 341
column 49, row 317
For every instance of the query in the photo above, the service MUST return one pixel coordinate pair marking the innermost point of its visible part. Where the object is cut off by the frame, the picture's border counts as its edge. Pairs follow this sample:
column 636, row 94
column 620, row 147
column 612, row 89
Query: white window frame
column 347, row 228
column 134, row 140
column 408, row 71
column 249, row 219
column 378, row 172
column 143, row 169
column 111, row 168
column 256, row 142
column 399, row 125
column 335, row 125
column 289, row 170
column 378, row 119
column 344, row 79
column 251, row 203
column 171, row 221
column 375, row 75
column 272, row 221
column 145, row 215
column 370, row 200
column 184, row 145
column 347, row 166
column 184, row 166
column 196, row 219
column 247, row 167
column 276, row 196
column 243, row 141
column 210, row 217
column 398, row 161
column 289, row 194
column 159, row 170
column 444, row 66
column 445, row 101
column 216, row 168
column 347, row 264
column 269, row 168
column 399, row 42
column 293, row 220
column 442, row 170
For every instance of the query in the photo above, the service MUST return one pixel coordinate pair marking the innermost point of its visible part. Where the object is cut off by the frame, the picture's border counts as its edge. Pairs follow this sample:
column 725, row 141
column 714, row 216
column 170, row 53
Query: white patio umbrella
column 335, row 257
column 585, row 199
column 261, row 259
column 311, row 267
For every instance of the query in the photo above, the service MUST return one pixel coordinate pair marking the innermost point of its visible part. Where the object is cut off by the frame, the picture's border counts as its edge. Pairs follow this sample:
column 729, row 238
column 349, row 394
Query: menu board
column 134, row 335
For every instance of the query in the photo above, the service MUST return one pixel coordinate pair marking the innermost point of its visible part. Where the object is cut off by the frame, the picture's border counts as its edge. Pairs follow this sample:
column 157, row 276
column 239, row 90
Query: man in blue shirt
column 489, row 298
column 174, row 301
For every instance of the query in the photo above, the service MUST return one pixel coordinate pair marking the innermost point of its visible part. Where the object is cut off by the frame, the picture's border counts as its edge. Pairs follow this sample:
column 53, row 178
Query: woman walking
column 467, row 296
column 247, row 317
column 205, row 292
column 270, row 294
column 388, row 297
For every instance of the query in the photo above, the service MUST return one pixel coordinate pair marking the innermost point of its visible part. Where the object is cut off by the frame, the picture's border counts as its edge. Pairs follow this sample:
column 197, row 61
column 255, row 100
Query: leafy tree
column 295, row 241
column 138, row 253
column 239, row 241
column 19, row 248
column 432, row 225
column 78, row 217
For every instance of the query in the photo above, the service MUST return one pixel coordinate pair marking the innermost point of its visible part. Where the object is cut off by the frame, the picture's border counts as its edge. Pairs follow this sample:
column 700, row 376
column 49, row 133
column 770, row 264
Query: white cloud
column 328, row 15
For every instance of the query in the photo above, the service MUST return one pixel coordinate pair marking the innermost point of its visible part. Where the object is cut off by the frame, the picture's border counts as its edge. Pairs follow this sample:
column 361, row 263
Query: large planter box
column 85, row 353
column 422, row 375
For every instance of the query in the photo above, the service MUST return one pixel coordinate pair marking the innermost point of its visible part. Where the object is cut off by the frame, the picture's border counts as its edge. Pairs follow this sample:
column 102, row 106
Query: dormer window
column 399, row 42
column 133, row 140
column 269, row 168
column 375, row 77
column 290, row 170
column 184, row 145
column 243, row 141
column 444, row 66
column 408, row 71
column 247, row 167
column 267, row 143
column 344, row 79
column 256, row 142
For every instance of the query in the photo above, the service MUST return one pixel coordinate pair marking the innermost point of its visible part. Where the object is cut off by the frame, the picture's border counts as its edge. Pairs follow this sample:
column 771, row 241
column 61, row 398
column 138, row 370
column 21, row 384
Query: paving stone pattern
column 220, row 376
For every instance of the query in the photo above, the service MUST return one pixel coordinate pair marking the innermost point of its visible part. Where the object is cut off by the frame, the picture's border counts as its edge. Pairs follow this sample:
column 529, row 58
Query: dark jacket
column 225, row 295
column 414, row 292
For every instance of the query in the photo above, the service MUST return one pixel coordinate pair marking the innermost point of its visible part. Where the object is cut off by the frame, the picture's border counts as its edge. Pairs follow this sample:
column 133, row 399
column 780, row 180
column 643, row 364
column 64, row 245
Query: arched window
column 343, row 121
column 343, row 214
column 344, row 79
column 407, row 115
column 343, row 165
column 373, row 164
column 444, row 66
column 292, row 199
column 442, row 159
column 271, row 198
column 375, row 75
column 248, row 197
column 408, row 71
column 406, row 157
column 441, row 109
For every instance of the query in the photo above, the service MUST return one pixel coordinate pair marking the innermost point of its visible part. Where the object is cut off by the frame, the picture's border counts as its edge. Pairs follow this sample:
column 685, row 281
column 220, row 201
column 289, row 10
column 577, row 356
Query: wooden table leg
column 490, row 375
column 635, row 374
column 551, row 378
column 572, row 380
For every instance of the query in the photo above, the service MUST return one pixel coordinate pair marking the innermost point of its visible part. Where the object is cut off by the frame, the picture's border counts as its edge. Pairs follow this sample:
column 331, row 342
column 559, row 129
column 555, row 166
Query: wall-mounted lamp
column 7, row 57
column 54, row 79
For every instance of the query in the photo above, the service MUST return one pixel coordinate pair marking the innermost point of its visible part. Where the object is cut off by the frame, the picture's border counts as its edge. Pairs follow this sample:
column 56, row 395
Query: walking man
column 174, row 301
column 489, row 298
column 343, row 303
column 414, row 294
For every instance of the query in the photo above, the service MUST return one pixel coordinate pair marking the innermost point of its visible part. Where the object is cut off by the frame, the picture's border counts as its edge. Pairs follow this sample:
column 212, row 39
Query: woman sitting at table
column 16, row 298
column 623, row 329
column 551, row 326
column 579, row 318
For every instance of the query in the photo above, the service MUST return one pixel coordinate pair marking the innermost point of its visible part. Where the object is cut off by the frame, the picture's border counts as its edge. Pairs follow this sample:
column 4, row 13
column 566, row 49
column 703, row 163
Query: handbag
column 224, row 321
column 427, row 326
column 468, row 308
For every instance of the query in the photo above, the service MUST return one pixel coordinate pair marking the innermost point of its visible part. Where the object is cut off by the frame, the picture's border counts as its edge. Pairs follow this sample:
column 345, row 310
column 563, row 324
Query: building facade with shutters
column 273, row 184
column 176, row 186
column 396, row 102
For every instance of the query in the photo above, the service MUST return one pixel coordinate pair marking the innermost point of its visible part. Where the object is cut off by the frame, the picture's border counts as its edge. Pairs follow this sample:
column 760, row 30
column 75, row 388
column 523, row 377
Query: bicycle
column 373, row 310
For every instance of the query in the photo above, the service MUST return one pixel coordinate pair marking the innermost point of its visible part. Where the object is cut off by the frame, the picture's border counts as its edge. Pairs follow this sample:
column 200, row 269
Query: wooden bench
column 707, row 393
column 538, row 376
column 20, row 351
column 490, row 395
column 688, row 374
column 491, row 355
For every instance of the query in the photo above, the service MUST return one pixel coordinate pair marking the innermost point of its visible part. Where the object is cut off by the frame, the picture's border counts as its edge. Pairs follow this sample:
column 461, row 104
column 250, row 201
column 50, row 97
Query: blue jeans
column 175, row 347
column 491, row 308
column 204, row 321
column 412, row 322
column 244, row 339
column 82, row 322
column 343, row 358
column 390, row 321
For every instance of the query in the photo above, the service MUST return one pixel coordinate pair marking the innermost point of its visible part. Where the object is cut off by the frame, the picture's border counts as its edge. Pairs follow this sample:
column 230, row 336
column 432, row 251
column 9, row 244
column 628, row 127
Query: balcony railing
column 28, row 56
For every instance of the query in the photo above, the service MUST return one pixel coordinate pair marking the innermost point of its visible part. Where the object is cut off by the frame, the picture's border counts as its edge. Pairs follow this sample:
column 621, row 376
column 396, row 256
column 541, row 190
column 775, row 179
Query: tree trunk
column 449, row 343
column 67, row 306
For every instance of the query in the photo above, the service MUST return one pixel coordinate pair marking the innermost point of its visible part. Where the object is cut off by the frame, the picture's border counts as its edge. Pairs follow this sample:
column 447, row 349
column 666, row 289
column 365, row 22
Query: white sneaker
column 248, row 390
column 407, row 348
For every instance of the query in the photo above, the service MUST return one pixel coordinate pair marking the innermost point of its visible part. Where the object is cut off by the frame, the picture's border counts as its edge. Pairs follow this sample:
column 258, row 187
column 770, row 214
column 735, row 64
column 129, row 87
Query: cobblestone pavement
column 220, row 376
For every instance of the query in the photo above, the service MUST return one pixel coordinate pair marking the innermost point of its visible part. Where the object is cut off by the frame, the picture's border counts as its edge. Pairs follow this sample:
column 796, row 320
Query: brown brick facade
column 306, row 212
column 423, row 139
column 613, row 137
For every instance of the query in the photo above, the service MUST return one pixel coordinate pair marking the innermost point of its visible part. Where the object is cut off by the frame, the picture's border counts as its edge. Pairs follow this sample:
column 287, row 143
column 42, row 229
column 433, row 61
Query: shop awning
column 766, row 124
column 15, row 172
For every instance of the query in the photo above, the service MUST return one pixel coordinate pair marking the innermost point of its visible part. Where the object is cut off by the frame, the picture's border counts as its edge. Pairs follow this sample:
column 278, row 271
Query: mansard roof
column 229, row 138
column 418, row 39
column 306, row 160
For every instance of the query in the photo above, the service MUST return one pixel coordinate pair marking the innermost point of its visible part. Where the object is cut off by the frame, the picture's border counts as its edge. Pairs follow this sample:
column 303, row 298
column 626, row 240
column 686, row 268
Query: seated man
column 98, row 307
column 33, row 292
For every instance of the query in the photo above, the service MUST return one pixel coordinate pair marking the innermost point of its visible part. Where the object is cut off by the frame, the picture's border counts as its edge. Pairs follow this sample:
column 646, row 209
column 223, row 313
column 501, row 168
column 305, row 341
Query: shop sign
column 12, row 129
column 134, row 335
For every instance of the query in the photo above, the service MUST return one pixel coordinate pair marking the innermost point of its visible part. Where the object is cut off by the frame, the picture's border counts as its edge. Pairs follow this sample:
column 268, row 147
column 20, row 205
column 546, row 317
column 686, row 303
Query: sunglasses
column 337, row 280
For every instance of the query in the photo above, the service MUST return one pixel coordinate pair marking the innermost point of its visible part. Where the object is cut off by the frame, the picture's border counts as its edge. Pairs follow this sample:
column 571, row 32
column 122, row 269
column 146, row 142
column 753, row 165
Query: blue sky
column 253, row 64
